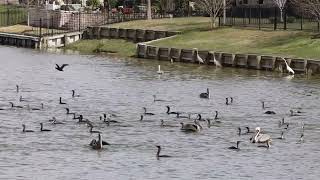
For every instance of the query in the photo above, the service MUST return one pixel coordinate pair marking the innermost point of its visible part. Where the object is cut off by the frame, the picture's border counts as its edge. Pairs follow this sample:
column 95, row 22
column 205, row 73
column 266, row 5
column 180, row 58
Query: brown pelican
column 97, row 144
column 205, row 95
column 190, row 127
column 161, row 156
column 24, row 129
column 235, row 148
column 259, row 137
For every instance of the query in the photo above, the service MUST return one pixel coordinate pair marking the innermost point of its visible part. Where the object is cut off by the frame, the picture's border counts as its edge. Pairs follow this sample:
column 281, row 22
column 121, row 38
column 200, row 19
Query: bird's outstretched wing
column 64, row 65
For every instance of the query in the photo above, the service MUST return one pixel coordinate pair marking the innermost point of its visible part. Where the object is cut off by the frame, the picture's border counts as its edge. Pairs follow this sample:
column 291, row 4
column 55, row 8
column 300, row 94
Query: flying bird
column 60, row 68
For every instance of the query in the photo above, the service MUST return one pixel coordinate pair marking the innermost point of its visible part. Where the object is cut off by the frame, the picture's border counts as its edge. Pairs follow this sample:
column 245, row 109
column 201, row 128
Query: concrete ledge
column 250, row 61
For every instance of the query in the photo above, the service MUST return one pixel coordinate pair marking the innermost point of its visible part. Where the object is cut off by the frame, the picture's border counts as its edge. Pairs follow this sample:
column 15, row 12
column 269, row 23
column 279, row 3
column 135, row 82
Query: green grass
column 175, row 24
column 108, row 46
column 196, row 34
column 232, row 40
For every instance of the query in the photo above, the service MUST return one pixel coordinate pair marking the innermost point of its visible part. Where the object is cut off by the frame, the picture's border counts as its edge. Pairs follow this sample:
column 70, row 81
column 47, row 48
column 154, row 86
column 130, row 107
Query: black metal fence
column 270, row 18
column 44, row 23
column 12, row 15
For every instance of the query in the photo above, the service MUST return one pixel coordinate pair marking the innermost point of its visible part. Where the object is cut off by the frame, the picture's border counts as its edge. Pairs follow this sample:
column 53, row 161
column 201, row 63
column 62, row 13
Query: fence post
column 52, row 25
column 301, row 22
column 249, row 15
column 318, row 26
column 40, row 24
column 275, row 19
column 79, row 21
column 285, row 19
column 8, row 18
column 259, row 17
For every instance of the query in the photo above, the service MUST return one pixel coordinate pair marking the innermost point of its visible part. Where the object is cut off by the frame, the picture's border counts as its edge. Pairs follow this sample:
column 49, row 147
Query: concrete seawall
column 54, row 41
column 135, row 35
column 250, row 61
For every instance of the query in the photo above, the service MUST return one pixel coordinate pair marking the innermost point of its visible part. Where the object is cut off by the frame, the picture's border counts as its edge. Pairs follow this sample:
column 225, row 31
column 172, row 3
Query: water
column 123, row 86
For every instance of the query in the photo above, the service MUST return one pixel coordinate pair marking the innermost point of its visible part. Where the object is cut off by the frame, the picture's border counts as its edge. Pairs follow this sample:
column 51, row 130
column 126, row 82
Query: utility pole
column 224, row 12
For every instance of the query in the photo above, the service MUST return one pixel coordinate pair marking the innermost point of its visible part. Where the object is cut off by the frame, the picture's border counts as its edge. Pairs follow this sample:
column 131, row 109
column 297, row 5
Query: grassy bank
column 107, row 46
column 196, row 33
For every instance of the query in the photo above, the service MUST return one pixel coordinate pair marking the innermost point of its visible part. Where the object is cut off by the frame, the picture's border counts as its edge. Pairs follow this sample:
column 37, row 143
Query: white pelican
column 201, row 61
column 159, row 70
column 289, row 69
column 259, row 137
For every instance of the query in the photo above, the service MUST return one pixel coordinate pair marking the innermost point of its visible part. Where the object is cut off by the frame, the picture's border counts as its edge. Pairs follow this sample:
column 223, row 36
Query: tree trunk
column 281, row 15
column 149, row 10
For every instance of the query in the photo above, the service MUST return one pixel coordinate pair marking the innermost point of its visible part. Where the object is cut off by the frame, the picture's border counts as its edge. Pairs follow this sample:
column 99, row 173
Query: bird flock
column 187, row 122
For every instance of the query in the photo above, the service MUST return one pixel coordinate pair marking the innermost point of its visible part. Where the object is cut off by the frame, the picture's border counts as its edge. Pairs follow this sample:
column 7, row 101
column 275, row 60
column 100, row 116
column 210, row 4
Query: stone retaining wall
column 250, row 61
column 135, row 35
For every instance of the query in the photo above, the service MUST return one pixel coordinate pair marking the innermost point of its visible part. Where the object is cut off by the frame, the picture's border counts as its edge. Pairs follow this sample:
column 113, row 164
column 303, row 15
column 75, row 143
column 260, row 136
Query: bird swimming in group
column 60, row 68
column 17, row 88
column 239, row 131
column 205, row 95
column 147, row 113
column 24, row 129
column 74, row 94
column 171, row 112
column 292, row 113
column 227, row 101
column 282, row 123
column 155, row 98
column 159, row 70
column 14, row 106
column 235, row 147
column 60, row 101
column 92, row 131
column 289, row 69
column 190, row 127
column 259, row 137
column 166, row 125
column 270, row 112
column 161, row 156
column 282, row 135
column 183, row 116
column 41, row 128
column 21, row 99
column 68, row 112
column 97, row 144
column 248, row 130
column 55, row 121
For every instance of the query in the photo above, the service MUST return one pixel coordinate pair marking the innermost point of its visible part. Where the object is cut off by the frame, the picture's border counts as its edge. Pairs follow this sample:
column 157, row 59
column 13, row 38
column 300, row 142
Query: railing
column 45, row 23
column 270, row 18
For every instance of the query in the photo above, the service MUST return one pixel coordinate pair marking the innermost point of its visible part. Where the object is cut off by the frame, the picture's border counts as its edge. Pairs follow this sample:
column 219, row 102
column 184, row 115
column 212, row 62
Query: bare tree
column 309, row 7
column 214, row 8
column 281, row 4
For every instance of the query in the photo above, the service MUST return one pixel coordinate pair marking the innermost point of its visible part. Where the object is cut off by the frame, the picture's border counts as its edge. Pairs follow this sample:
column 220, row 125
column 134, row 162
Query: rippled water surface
column 122, row 87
